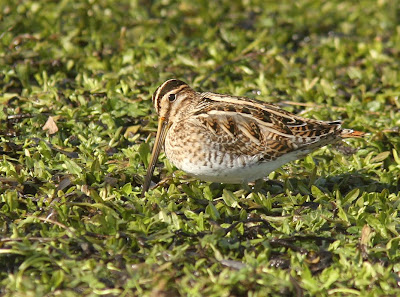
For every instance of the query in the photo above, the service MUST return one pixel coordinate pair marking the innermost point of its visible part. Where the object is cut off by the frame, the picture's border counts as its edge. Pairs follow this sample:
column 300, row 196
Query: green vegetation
column 72, row 222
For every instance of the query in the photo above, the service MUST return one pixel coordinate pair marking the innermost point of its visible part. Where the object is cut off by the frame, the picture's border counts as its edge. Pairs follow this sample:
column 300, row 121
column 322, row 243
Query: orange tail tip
column 347, row 133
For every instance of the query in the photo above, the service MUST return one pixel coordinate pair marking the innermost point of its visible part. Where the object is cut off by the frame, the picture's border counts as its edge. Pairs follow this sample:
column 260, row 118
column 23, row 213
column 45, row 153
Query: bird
column 231, row 139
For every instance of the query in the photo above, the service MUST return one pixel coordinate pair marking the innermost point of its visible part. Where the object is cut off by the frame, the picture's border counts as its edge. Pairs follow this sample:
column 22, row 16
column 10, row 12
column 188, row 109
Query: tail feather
column 348, row 133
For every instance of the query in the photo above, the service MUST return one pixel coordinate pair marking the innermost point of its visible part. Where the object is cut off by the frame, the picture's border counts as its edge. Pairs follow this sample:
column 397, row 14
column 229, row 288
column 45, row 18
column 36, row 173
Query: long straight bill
column 158, row 144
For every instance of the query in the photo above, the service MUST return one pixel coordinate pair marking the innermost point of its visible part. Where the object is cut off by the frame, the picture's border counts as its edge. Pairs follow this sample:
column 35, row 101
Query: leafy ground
column 72, row 222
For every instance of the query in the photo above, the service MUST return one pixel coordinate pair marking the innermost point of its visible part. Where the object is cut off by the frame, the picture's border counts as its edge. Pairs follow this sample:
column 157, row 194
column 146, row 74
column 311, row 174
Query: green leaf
column 72, row 167
column 380, row 157
column 212, row 211
column 230, row 199
column 351, row 196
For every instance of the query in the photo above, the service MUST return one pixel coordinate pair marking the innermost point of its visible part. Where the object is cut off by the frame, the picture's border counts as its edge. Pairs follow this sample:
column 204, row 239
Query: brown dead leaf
column 50, row 125
column 366, row 234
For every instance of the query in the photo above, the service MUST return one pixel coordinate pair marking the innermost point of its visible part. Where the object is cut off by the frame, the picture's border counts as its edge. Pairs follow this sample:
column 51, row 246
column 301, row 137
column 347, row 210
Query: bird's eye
column 171, row 97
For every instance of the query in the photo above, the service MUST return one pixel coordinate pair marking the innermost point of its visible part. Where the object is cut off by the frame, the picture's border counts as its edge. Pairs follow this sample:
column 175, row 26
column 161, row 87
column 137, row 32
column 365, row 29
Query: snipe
column 229, row 139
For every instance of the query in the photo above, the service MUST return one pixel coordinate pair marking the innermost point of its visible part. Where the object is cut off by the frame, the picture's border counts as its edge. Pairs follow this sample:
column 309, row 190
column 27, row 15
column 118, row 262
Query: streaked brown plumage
column 223, row 138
